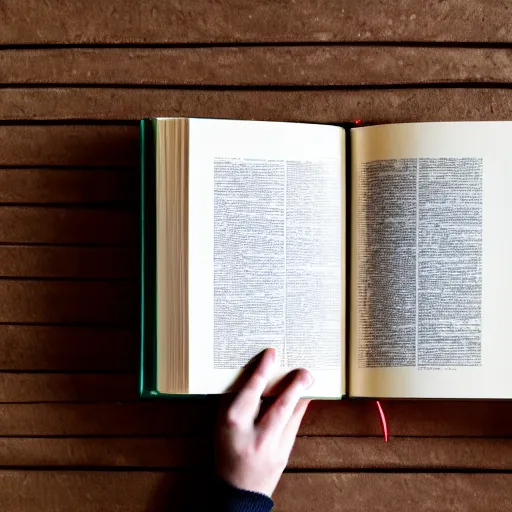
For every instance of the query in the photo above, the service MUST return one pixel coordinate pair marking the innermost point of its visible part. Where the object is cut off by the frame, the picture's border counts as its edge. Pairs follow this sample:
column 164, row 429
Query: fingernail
column 308, row 380
column 273, row 356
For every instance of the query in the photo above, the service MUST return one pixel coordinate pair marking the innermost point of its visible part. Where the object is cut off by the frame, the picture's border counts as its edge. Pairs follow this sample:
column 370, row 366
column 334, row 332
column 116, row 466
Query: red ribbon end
column 383, row 421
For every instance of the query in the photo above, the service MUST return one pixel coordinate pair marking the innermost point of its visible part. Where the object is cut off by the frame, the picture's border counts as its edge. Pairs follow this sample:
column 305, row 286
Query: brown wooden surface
column 324, row 65
column 90, row 491
column 318, row 452
column 236, row 21
column 76, row 77
column 332, row 105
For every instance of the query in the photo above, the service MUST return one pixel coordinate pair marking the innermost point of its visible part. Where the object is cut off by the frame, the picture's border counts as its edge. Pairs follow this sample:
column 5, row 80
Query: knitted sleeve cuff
column 232, row 499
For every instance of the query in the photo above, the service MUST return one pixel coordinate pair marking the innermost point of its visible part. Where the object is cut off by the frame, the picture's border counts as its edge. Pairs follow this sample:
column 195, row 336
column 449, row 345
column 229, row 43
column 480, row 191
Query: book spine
column 148, row 259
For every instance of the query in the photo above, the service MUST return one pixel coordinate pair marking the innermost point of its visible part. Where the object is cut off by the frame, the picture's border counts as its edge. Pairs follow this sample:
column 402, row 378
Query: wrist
column 252, row 480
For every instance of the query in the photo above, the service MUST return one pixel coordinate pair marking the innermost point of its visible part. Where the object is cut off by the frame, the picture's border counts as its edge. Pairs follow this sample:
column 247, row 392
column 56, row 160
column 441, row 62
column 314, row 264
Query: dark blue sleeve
column 226, row 498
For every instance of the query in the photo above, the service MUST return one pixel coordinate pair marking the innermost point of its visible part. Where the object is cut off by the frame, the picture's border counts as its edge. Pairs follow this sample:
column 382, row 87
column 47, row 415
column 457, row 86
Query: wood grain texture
column 57, row 491
column 401, row 453
column 319, row 106
column 353, row 492
column 178, row 417
column 55, row 387
column 61, row 225
column 190, row 417
column 296, row 66
column 411, row 418
column 96, row 145
column 89, row 452
column 180, row 21
column 318, row 453
column 76, row 349
column 69, row 262
column 68, row 302
column 77, row 186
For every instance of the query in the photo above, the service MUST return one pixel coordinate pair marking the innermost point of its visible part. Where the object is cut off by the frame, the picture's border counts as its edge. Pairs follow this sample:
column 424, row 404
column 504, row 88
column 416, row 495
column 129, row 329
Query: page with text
column 431, row 250
column 265, row 250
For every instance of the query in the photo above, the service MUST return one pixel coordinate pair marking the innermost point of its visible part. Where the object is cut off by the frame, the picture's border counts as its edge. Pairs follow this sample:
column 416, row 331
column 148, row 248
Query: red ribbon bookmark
column 383, row 421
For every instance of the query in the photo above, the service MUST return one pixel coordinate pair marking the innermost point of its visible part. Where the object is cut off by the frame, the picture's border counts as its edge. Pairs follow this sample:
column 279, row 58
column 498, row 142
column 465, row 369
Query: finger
column 292, row 427
column 246, row 404
column 275, row 419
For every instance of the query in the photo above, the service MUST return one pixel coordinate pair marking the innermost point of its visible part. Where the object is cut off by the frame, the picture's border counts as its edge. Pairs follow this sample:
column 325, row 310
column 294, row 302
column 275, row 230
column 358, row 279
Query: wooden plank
column 91, row 186
column 257, row 66
column 322, row 106
column 180, row 21
column 58, row 348
column 54, row 302
column 69, row 262
column 319, row 453
column 324, row 418
column 65, row 387
column 415, row 417
column 93, row 145
column 354, row 492
column 171, row 452
column 107, row 419
column 341, row 453
column 162, row 491
column 61, row 225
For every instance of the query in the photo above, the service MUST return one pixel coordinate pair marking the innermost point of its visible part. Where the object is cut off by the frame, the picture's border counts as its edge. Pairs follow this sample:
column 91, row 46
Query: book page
column 265, row 251
column 431, row 285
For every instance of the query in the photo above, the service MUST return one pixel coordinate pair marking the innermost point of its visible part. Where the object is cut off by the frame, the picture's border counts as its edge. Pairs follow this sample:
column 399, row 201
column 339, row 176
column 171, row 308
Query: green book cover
column 148, row 261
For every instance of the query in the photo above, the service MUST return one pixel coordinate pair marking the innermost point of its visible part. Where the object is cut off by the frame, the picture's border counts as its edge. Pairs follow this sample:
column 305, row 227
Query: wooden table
column 76, row 77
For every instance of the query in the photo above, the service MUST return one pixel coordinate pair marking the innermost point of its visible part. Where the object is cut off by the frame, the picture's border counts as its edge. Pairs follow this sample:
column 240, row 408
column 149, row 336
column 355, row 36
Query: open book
column 379, row 257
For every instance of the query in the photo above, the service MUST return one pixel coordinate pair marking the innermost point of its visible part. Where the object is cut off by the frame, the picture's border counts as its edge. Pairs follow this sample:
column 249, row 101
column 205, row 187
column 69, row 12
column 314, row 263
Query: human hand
column 252, row 449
